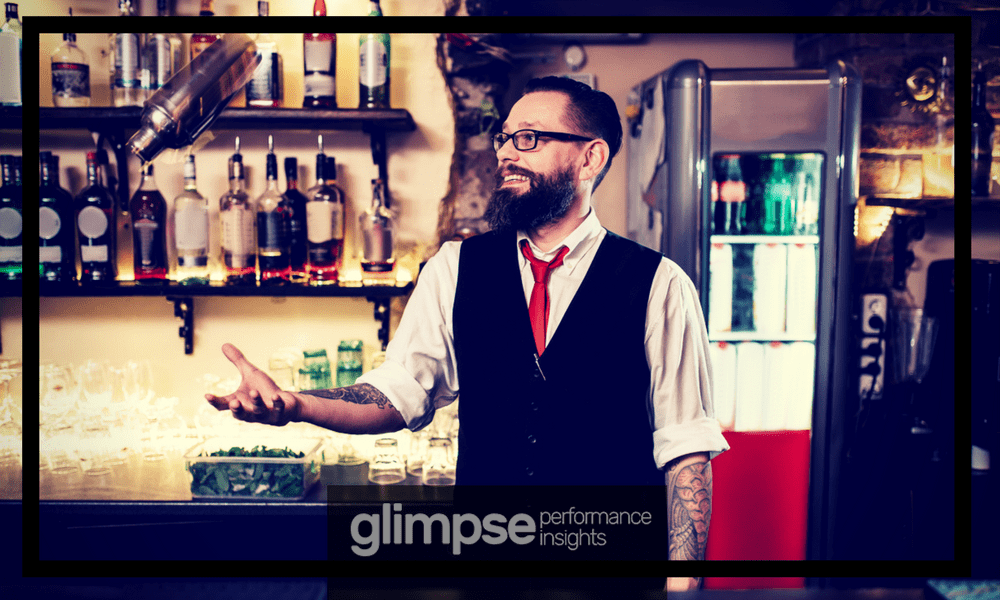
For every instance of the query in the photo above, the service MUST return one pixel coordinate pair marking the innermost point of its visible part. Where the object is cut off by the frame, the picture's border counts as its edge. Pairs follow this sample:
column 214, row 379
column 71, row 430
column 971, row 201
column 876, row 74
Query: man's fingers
column 235, row 356
column 217, row 402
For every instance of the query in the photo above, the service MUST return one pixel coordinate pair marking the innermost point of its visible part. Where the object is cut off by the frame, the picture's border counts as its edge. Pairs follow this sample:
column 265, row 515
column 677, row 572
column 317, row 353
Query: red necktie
column 538, row 306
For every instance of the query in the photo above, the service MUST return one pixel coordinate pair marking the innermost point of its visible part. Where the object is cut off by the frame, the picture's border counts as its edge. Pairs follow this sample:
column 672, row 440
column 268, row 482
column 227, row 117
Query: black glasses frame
column 499, row 139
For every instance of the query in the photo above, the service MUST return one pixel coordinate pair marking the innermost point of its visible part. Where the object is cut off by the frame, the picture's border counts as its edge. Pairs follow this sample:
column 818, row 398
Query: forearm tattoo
column 689, row 495
column 360, row 393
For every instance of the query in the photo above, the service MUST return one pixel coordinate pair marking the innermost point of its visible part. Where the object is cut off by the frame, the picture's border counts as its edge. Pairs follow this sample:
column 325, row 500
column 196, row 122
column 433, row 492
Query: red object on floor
column 760, row 502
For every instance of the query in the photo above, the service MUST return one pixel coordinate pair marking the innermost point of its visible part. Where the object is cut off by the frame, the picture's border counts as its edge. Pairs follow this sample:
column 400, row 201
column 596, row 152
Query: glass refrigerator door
column 762, row 299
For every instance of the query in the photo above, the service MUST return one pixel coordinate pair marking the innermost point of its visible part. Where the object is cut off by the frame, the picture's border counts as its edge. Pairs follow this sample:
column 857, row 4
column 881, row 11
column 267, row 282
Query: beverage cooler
column 746, row 178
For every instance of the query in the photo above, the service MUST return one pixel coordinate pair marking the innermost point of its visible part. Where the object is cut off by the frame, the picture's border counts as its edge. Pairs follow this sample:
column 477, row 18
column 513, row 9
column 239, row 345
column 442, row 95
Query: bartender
column 568, row 340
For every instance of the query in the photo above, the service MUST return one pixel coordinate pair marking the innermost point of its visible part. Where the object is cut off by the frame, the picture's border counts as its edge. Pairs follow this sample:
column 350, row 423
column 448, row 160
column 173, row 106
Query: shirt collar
column 579, row 242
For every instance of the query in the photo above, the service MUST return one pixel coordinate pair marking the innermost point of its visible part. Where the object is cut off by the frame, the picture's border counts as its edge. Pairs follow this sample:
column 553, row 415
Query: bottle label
column 319, row 85
column 49, row 223
column 271, row 232
column 126, row 60
column 11, row 223
column 237, row 236
column 50, row 254
column 318, row 56
column 10, row 76
column 92, row 221
column 374, row 67
column 145, row 235
column 71, row 79
column 324, row 221
column 10, row 254
column 266, row 82
column 191, row 226
column 93, row 253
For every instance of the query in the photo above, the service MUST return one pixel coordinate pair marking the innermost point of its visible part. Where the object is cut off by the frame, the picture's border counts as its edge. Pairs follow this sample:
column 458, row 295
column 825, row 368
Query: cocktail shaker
column 192, row 99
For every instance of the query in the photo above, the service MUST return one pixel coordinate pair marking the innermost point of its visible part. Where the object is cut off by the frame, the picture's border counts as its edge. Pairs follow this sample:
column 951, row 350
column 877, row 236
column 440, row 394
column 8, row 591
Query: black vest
column 580, row 418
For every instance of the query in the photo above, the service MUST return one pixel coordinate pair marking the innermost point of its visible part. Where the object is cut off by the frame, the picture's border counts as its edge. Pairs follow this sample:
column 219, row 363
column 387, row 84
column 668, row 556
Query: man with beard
column 581, row 356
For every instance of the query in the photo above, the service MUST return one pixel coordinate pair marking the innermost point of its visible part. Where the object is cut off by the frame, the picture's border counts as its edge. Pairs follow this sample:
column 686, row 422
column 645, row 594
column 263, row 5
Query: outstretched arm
column 359, row 408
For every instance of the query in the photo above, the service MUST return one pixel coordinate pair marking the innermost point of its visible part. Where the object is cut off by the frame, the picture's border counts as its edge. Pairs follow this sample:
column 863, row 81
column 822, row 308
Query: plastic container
column 251, row 478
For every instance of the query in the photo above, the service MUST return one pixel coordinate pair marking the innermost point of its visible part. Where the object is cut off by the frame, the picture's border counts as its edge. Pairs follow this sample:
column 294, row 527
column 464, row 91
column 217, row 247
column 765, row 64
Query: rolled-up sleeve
column 680, row 399
column 419, row 374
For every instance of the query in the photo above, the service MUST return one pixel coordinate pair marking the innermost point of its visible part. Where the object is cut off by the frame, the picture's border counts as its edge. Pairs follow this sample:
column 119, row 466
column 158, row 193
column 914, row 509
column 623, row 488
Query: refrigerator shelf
column 763, row 239
column 757, row 336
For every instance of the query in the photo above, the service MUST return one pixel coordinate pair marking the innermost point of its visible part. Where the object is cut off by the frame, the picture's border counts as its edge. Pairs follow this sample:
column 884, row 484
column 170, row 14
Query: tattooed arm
column 689, row 506
column 359, row 408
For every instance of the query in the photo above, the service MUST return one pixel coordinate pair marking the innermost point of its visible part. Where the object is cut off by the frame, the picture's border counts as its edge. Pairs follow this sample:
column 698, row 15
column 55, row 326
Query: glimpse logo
column 392, row 527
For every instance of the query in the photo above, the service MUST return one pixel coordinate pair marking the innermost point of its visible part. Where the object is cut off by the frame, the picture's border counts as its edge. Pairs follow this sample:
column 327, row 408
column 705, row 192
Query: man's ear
column 594, row 159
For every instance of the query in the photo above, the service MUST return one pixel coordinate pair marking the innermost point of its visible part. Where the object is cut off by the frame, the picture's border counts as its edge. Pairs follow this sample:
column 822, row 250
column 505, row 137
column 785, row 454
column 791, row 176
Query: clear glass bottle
column 319, row 58
column 96, row 228
column 295, row 202
column 325, row 222
column 126, row 75
column 236, row 211
column 11, row 77
column 57, row 248
column 377, row 231
column 11, row 221
column 373, row 60
column 189, row 219
column 272, row 227
column 265, row 88
column 162, row 56
column 148, row 210
column 70, row 73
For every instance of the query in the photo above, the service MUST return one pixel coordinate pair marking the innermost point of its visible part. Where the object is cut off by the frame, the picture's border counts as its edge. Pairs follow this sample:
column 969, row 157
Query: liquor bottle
column 295, row 202
column 11, row 86
column 11, row 221
column 325, row 221
column 319, row 57
column 96, row 228
column 265, row 89
column 983, row 128
column 70, row 73
column 56, row 240
column 377, row 231
column 125, row 64
column 200, row 41
column 239, row 249
column 731, row 203
column 162, row 55
column 148, row 210
column 272, row 227
column 373, row 75
column 189, row 216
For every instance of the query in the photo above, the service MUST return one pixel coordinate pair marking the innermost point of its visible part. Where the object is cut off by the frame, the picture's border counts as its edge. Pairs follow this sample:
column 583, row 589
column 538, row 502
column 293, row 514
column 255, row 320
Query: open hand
column 257, row 399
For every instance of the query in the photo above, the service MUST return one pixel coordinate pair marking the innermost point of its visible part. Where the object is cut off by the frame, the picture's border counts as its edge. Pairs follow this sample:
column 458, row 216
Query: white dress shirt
column 419, row 374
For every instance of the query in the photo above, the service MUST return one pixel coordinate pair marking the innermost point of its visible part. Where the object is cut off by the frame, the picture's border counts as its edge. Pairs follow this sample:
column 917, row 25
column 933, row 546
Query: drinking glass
column 387, row 466
column 439, row 468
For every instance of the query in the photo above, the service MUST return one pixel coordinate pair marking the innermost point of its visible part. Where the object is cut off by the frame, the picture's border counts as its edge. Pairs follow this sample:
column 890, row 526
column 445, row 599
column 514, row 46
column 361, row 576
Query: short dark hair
column 591, row 111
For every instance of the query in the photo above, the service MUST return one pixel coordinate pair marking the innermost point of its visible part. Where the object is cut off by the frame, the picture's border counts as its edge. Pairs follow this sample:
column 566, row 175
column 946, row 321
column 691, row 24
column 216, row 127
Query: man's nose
column 507, row 151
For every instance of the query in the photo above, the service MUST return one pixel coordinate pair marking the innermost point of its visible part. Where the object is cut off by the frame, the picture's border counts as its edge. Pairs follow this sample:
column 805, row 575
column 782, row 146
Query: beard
column 547, row 200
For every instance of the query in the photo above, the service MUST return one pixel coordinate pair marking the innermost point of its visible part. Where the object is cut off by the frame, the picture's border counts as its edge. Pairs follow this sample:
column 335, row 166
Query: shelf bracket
column 382, row 316
column 184, row 309
column 377, row 135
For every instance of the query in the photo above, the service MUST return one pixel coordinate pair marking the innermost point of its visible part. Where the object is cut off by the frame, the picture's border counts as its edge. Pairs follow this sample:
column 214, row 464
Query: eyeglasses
column 527, row 139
